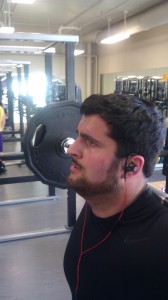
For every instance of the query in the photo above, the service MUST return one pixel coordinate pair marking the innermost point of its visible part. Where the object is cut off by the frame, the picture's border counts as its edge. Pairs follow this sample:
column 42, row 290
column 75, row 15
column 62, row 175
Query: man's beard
column 86, row 188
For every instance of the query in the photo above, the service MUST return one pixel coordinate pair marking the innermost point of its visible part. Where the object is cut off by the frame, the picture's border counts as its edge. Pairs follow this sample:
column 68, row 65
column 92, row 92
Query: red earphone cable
column 99, row 243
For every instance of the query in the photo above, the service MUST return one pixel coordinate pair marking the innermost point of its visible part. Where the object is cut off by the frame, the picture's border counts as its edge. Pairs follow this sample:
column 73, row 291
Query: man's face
column 95, row 167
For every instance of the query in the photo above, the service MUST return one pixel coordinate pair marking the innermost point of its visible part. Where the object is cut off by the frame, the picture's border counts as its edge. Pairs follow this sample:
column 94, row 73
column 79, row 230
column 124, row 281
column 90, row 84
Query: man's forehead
column 90, row 124
column 92, row 121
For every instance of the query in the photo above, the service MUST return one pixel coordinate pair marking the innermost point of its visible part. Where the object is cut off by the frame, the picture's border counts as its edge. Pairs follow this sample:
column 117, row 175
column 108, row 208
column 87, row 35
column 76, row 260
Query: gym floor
column 32, row 268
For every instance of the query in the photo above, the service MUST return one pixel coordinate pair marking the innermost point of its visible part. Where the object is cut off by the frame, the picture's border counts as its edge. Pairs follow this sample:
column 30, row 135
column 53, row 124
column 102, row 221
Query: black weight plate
column 42, row 141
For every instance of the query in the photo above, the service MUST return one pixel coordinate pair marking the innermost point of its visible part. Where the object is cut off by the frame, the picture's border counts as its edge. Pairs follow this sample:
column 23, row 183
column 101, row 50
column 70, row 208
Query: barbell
column 48, row 135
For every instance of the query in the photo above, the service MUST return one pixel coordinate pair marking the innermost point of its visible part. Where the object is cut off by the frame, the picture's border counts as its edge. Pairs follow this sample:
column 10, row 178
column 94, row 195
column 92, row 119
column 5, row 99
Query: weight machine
column 151, row 89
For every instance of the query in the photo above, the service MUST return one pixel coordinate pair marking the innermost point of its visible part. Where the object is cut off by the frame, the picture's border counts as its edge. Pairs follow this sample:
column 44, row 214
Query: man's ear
column 133, row 163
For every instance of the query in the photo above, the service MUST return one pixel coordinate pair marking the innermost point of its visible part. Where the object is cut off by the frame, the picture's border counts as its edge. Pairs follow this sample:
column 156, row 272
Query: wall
column 143, row 51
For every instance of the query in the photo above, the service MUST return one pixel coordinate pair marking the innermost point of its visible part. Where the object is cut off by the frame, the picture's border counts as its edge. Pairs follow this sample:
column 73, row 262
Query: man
column 118, row 249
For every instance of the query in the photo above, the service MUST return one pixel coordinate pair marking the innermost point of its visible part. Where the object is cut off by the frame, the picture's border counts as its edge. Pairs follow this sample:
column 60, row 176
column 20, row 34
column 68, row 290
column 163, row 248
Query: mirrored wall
column 151, row 84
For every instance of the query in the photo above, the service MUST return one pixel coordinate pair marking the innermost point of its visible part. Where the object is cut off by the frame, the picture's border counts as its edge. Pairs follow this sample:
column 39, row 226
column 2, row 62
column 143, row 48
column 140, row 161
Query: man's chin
column 71, row 181
column 76, row 185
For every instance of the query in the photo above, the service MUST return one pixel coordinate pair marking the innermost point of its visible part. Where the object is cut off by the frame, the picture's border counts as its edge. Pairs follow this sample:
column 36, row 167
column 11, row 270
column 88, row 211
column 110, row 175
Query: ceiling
column 86, row 18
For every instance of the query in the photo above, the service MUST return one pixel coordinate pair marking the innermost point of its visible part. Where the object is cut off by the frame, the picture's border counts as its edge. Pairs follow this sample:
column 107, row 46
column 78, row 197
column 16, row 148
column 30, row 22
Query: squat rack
column 70, row 41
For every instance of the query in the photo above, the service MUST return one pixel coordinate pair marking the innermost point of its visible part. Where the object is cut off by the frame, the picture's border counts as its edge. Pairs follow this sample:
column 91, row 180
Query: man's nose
column 74, row 149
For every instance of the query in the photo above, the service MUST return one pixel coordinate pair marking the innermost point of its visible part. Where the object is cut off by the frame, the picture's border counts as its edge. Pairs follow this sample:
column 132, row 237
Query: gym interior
column 39, row 67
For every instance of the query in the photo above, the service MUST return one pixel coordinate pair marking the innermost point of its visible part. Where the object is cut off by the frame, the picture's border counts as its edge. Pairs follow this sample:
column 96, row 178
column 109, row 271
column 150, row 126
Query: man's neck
column 105, row 205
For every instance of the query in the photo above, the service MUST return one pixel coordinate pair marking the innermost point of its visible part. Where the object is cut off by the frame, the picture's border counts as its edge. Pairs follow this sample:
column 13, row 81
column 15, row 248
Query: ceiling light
column 21, row 1
column 27, row 49
column 131, row 76
column 49, row 50
column 115, row 38
column 7, row 29
column 13, row 62
column 140, row 77
column 4, row 78
column 78, row 52
column 156, row 77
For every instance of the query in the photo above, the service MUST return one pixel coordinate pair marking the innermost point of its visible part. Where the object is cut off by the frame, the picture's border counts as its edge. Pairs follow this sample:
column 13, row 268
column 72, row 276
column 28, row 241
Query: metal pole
column 20, row 102
column 26, row 200
column 71, row 208
column 48, row 71
column 70, row 73
column 33, row 234
column 28, row 104
column 51, row 190
column 10, row 102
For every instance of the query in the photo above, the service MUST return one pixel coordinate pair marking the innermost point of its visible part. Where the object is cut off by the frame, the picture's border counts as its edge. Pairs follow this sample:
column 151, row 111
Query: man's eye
column 91, row 142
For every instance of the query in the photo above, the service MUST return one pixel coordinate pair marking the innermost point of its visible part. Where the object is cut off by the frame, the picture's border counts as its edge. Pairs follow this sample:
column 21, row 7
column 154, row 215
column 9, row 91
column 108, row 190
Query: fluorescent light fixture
column 27, row 49
column 4, row 78
column 140, row 77
column 115, row 38
column 21, row 1
column 78, row 52
column 6, row 29
column 156, row 77
column 50, row 50
column 13, row 62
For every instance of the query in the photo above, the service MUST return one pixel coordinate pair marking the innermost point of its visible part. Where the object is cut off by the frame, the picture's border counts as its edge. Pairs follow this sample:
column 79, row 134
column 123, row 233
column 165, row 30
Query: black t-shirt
column 121, row 260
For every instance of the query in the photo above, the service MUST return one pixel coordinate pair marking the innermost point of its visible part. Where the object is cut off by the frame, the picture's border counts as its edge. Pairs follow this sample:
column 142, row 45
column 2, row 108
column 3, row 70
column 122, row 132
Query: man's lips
column 75, row 166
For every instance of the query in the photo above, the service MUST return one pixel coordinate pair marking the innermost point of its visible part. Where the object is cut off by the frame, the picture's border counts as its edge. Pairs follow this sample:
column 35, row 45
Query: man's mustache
column 75, row 162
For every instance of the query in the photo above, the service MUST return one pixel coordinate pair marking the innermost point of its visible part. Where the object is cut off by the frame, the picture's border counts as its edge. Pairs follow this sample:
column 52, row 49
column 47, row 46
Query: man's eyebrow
column 88, row 137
